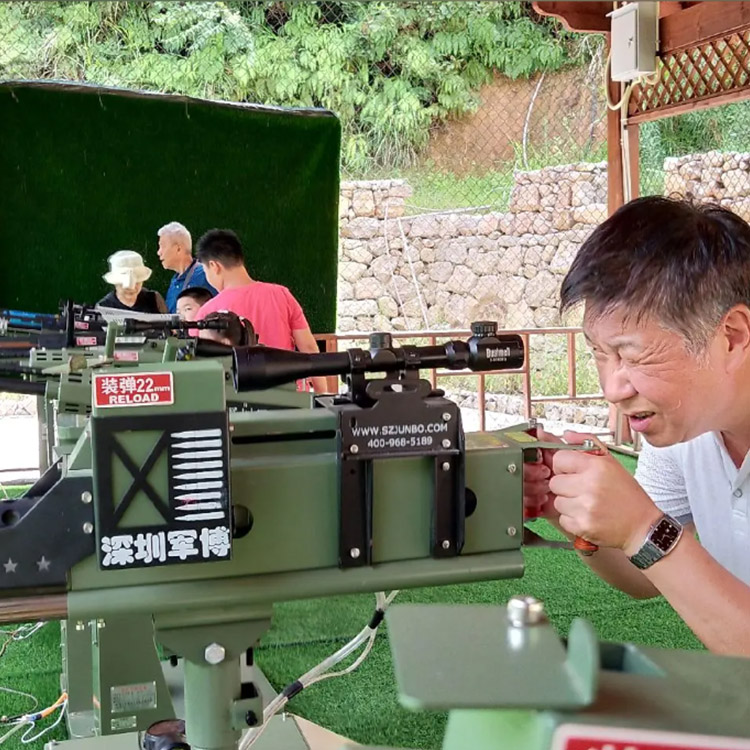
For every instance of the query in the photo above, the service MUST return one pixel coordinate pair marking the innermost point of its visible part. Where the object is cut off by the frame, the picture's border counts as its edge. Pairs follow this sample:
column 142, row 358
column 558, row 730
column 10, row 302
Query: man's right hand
column 536, row 475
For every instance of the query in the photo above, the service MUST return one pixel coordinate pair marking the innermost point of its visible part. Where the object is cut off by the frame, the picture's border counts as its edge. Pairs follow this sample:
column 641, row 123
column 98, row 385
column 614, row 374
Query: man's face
column 668, row 393
column 169, row 252
column 214, row 274
column 187, row 308
column 129, row 291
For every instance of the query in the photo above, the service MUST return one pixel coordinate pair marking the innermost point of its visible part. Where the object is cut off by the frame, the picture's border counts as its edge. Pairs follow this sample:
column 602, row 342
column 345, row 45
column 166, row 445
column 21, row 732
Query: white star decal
column 43, row 564
column 10, row 566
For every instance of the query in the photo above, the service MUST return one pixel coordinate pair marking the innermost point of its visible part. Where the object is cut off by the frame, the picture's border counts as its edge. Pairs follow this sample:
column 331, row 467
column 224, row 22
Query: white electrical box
column 634, row 40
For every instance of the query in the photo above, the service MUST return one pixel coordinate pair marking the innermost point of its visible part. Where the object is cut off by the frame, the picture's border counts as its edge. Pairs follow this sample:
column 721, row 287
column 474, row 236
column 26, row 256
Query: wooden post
column 634, row 143
column 615, row 196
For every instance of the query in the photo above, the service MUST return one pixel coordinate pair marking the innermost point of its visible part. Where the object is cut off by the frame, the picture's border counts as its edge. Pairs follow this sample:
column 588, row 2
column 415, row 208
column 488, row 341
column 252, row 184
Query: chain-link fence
column 473, row 132
column 704, row 156
column 474, row 135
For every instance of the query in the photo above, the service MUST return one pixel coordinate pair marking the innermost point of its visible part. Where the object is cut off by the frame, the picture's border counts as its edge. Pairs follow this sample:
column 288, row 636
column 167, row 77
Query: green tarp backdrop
column 85, row 171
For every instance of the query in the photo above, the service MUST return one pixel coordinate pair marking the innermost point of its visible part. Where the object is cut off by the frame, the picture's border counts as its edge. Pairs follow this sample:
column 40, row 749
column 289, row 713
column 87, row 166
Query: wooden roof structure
column 703, row 61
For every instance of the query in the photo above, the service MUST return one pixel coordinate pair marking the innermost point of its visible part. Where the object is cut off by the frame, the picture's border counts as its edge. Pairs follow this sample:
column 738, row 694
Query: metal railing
column 332, row 341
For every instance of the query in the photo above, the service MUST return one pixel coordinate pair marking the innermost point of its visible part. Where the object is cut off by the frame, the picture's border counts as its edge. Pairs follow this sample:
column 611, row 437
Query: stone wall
column 445, row 269
column 714, row 176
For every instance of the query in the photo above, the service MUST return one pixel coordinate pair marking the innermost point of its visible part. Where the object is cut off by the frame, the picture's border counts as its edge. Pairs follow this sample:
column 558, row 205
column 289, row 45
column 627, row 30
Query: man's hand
column 537, row 499
column 597, row 499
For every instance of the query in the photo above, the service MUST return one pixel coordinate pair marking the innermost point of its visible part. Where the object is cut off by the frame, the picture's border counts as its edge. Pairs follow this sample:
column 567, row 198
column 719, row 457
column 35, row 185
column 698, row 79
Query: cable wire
column 320, row 672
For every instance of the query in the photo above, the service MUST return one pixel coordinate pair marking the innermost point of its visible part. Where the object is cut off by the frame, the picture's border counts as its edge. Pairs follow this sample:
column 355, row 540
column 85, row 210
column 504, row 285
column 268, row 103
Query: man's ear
column 216, row 268
column 735, row 328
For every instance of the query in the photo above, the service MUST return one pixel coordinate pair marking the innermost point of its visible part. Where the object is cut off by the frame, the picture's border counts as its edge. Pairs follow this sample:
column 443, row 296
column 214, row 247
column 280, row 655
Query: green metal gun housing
column 173, row 519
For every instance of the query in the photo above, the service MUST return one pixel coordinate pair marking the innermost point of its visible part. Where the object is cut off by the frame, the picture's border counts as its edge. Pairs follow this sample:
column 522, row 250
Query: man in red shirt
column 275, row 314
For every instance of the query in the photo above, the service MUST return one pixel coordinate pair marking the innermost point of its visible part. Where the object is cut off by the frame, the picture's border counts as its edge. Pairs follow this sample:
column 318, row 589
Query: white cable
column 23, row 632
column 320, row 671
column 11, row 732
column 11, row 691
column 26, row 631
column 391, row 597
column 353, row 665
column 337, row 657
column 27, row 740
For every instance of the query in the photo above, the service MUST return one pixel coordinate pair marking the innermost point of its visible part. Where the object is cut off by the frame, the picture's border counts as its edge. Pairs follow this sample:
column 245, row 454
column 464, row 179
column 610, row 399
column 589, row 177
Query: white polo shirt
column 697, row 481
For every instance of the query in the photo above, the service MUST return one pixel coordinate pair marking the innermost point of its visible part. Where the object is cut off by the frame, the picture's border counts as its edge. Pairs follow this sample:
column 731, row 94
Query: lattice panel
column 701, row 72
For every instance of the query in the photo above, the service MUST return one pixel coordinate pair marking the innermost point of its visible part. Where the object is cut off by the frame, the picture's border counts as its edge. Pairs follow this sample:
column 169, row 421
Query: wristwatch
column 660, row 541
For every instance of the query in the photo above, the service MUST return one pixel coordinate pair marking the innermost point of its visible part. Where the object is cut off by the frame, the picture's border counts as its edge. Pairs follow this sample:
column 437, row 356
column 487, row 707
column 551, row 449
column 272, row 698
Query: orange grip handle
column 584, row 547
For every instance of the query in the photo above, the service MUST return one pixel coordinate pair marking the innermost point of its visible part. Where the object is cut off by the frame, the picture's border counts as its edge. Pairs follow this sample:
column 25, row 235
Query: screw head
column 88, row 527
column 446, row 466
column 446, row 416
column 525, row 610
column 446, row 544
column 354, row 449
column 512, row 468
column 354, row 553
column 512, row 530
column 446, row 443
column 86, row 497
column 215, row 653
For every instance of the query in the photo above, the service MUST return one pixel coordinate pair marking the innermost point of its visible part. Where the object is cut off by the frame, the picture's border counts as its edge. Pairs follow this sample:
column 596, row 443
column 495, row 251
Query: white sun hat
column 126, row 268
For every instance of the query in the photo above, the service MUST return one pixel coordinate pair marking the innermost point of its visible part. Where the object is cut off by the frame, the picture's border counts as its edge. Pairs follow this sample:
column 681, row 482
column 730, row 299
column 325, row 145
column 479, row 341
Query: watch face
column 665, row 534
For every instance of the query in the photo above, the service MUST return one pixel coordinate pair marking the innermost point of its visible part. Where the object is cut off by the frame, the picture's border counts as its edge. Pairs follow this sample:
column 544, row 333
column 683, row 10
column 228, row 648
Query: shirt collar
column 182, row 275
column 735, row 475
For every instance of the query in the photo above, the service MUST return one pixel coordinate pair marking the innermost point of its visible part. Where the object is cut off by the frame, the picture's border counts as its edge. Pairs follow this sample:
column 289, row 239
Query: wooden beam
column 714, row 100
column 590, row 17
column 668, row 7
column 701, row 23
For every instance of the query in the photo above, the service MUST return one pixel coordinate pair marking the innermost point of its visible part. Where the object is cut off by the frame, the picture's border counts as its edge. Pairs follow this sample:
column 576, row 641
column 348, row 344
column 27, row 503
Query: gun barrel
column 16, row 385
column 29, row 608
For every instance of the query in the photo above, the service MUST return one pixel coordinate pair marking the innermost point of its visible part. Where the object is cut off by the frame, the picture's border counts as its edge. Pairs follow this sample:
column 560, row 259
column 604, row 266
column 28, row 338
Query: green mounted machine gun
column 174, row 520
column 54, row 357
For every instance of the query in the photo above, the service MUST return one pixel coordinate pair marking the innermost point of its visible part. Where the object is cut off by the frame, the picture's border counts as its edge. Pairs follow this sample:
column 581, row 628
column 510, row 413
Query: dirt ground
column 568, row 113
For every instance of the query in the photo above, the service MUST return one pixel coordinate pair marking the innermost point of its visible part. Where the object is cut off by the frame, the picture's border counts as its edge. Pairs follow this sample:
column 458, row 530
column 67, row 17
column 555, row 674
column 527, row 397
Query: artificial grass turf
column 364, row 705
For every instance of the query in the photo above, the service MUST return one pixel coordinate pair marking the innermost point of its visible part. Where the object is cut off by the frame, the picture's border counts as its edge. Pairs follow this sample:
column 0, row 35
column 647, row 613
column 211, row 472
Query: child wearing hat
column 127, row 273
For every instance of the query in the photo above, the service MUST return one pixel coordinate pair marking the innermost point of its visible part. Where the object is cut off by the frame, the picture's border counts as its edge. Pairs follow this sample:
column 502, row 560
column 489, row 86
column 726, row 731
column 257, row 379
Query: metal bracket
column 405, row 419
column 41, row 538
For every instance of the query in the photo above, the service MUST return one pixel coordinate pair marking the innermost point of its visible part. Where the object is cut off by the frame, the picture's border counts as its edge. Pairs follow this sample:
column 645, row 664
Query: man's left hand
column 600, row 501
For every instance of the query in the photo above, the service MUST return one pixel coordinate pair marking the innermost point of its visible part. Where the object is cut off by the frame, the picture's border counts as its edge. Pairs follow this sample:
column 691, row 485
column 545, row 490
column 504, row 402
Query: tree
column 390, row 70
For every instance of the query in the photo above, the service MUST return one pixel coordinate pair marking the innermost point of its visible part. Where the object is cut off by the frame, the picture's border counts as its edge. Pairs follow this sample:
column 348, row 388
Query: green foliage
column 390, row 70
